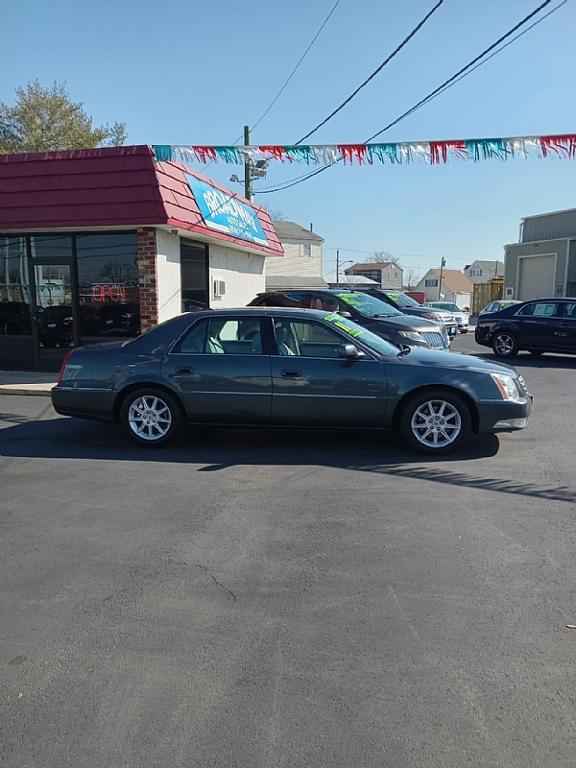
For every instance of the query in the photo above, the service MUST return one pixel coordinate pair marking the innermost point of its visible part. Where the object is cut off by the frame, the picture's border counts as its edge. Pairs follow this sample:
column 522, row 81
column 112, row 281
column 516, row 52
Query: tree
column 411, row 278
column 381, row 257
column 46, row 119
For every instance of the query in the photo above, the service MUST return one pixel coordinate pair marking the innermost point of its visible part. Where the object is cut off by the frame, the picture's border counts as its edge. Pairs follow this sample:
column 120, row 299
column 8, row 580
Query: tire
column 151, row 416
column 504, row 345
column 418, row 433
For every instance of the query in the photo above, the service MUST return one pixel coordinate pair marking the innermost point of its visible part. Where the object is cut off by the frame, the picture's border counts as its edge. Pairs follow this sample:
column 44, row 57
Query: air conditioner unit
column 219, row 289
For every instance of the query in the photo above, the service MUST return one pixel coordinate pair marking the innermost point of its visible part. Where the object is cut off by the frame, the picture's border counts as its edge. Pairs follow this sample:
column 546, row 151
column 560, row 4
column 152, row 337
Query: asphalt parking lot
column 251, row 598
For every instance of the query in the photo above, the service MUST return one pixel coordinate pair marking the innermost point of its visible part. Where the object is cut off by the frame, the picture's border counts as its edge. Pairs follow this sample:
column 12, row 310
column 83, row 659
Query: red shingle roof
column 114, row 186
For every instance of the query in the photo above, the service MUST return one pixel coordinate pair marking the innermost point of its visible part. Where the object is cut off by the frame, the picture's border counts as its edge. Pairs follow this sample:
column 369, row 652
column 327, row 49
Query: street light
column 338, row 265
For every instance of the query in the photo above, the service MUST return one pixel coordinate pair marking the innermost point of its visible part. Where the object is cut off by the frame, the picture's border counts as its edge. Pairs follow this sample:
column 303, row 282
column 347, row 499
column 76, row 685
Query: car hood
column 438, row 359
column 408, row 322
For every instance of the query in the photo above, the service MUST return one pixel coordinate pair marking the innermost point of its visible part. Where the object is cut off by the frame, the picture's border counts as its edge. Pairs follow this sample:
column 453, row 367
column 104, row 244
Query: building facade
column 455, row 287
column 481, row 271
column 103, row 244
column 387, row 273
column 543, row 263
column 301, row 265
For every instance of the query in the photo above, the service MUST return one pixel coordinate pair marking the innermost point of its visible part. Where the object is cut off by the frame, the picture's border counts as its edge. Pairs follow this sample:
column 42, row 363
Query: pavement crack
column 218, row 583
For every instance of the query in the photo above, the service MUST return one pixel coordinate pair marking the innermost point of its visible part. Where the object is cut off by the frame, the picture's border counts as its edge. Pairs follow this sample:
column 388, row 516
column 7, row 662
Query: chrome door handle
column 291, row 374
column 184, row 370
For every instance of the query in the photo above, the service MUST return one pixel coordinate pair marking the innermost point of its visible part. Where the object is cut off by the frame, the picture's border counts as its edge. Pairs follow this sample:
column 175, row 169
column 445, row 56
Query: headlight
column 507, row 387
column 412, row 335
column 429, row 315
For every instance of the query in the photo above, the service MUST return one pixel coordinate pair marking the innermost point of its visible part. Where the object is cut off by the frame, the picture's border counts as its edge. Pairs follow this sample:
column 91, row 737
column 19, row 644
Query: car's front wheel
column 435, row 422
column 504, row 345
column 151, row 416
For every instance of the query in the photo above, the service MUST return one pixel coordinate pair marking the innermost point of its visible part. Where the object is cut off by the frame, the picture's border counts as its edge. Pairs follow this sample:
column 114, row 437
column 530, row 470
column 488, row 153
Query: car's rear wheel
column 435, row 422
column 504, row 345
column 151, row 416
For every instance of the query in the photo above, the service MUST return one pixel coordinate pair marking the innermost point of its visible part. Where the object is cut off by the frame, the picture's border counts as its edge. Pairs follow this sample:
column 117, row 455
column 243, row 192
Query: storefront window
column 194, row 275
column 109, row 298
column 15, row 317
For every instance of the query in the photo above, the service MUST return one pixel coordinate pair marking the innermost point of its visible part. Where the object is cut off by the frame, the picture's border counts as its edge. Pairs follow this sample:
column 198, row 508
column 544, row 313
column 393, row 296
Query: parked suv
column 540, row 325
column 408, row 306
column 368, row 311
column 461, row 316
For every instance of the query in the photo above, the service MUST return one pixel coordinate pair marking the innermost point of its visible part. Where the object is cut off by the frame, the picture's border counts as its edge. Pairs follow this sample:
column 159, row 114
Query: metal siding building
column 543, row 263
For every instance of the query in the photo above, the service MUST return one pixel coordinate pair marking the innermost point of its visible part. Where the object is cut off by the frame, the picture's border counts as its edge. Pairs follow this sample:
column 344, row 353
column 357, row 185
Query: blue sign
column 223, row 212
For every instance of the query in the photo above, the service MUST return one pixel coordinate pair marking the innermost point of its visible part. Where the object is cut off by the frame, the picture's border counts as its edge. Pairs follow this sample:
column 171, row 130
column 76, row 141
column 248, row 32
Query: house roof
column 494, row 264
column 364, row 266
column 283, row 282
column 346, row 279
column 110, row 187
column 289, row 230
column 453, row 279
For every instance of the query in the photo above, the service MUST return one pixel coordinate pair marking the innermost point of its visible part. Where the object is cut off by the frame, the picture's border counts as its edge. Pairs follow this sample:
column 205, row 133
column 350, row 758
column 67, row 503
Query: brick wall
column 147, row 273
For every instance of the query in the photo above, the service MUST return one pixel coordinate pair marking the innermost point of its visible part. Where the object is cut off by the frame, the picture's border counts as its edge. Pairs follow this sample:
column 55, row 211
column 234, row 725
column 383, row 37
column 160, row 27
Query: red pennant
column 560, row 145
column 278, row 153
column 439, row 150
column 351, row 152
column 205, row 154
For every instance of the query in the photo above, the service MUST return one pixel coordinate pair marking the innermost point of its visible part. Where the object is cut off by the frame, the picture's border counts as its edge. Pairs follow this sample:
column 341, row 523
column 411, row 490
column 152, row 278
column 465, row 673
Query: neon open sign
column 108, row 292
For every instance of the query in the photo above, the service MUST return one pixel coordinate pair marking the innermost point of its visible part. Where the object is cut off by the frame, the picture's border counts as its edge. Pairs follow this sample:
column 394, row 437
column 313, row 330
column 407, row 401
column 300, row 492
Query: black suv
column 368, row 311
column 408, row 306
column 540, row 325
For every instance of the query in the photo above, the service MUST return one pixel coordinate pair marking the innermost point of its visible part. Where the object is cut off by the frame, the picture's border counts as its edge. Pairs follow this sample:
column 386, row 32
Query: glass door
column 54, row 313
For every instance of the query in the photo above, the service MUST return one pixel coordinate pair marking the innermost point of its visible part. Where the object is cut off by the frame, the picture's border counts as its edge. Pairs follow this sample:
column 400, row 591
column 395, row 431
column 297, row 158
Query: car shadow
column 526, row 360
column 218, row 449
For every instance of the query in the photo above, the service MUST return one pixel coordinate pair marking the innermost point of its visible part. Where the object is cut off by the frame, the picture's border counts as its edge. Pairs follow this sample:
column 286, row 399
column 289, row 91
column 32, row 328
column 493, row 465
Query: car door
column 313, row 385
column 221, row 372
column 567, row 330
column 538, row 325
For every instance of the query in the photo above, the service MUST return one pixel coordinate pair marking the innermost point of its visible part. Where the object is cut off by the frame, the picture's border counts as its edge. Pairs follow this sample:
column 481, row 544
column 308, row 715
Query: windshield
column 401, row 299
column 368, row 306
column 445, row 305
column 362, row 334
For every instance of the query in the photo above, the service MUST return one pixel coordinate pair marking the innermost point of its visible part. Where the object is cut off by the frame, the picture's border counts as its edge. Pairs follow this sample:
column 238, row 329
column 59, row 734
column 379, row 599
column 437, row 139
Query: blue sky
column 193, row 73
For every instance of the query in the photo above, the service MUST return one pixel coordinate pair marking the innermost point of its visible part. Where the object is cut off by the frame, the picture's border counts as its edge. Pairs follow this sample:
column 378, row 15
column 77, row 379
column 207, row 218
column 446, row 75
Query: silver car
column 461, row 316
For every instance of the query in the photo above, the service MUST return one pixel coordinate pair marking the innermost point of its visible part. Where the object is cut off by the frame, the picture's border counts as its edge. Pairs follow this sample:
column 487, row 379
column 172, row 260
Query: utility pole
column 247, row 166
column 442, row 265
column 337, row 267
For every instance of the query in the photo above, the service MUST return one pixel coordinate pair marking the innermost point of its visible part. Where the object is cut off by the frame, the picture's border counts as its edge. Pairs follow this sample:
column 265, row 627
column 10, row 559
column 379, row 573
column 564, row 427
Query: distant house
column 301, row 265
column 481, row 271
column 350, row 281
column 387, row 274
column 456, row 287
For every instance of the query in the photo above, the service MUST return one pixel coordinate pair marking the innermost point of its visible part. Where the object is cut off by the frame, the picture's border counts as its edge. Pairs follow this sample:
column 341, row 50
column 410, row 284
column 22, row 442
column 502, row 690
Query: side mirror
column 349, row 352
column 345, row 314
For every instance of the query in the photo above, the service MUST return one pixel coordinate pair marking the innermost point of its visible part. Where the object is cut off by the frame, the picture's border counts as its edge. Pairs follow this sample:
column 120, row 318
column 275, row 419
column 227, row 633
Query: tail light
column 63, row 367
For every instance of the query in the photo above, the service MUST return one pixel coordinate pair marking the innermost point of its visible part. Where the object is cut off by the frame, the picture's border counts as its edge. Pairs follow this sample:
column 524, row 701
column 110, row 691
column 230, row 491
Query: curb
column 6, row 389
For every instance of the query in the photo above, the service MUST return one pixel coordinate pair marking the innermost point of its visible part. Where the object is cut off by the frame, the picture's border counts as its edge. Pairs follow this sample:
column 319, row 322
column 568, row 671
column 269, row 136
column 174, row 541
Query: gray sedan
column 287, row 367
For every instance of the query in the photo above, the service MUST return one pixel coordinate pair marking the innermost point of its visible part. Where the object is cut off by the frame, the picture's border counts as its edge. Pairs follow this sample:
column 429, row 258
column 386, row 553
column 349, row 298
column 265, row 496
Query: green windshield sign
column 341, row 323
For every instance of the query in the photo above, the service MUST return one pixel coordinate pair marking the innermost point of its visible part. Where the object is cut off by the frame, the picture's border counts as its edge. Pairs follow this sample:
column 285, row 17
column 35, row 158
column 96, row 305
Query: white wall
column 168, row 275
column 242, row 272
column 301, row 259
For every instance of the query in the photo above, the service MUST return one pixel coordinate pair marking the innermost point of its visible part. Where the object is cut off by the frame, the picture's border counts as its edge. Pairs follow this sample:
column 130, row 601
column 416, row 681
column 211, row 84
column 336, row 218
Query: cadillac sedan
column 287, row 367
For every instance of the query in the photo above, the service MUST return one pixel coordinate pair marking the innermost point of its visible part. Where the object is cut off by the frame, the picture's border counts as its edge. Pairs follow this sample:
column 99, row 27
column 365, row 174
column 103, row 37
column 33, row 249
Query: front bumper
column 503, row 415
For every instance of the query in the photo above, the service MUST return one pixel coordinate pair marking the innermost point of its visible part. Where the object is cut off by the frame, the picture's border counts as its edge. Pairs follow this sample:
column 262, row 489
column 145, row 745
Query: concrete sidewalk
column 27, row 383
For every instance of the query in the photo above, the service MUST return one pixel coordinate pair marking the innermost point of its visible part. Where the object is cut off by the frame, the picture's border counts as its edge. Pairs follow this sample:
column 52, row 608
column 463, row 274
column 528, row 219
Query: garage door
column 536, row 277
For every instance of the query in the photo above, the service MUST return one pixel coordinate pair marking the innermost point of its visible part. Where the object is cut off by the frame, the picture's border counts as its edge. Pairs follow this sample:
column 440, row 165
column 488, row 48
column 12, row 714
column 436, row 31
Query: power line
column 296, row 67
column 460, row 71
column 288, row 79
column 378, row 69
column 460, row 75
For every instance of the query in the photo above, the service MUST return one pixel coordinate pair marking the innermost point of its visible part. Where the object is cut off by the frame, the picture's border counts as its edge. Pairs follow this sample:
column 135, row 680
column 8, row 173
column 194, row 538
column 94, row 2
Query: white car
column 462, row 317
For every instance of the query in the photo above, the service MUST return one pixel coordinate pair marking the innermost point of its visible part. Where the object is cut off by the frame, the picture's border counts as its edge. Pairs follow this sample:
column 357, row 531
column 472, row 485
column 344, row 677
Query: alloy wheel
column 149, row 417
column 504, row 344
column 436, row 424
